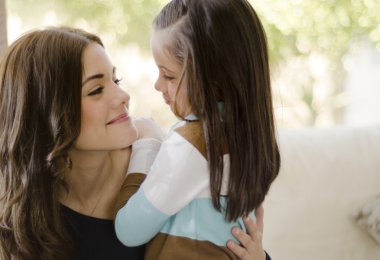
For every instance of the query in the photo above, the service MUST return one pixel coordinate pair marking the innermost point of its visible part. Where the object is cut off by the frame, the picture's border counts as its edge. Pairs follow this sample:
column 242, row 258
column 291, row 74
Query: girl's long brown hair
column 222, row 46
column 40, row 104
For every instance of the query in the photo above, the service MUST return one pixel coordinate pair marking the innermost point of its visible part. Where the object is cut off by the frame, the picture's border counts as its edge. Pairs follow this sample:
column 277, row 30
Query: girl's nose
column 158, row 85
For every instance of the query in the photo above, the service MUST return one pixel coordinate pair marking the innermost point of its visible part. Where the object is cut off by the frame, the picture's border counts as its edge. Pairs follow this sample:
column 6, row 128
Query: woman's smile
column 119, row 119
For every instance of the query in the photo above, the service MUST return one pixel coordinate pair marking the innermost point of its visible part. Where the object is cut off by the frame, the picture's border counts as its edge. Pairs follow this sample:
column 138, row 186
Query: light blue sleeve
column 134, row 229
column 178, row 174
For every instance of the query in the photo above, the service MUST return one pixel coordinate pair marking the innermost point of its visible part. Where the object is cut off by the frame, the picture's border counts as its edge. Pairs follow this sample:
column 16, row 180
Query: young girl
column 218, row 164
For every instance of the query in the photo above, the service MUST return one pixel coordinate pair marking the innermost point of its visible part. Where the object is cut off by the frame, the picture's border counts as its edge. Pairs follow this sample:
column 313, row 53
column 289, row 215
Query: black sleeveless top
column 95, row 239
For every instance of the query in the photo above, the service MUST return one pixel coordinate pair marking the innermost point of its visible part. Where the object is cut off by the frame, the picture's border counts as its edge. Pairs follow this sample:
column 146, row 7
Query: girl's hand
column 120, row 161
column 148, row 128
column 251, row 247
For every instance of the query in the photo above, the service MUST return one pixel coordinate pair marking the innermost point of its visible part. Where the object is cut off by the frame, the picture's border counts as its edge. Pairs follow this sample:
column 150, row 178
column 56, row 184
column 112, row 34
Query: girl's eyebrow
column 164, row 68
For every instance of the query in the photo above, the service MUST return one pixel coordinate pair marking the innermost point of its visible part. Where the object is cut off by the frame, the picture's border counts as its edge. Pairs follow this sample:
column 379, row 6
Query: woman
column 62, row 115
column 64, row 130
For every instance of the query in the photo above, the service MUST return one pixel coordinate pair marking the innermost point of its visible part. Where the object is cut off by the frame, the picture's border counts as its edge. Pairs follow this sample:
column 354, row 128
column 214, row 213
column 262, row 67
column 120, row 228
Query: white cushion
column 368, row 218
column 326, row 176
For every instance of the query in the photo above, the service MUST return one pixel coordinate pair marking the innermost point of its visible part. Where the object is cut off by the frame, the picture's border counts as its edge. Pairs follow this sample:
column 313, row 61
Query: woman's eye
column 96, row 91
column 118, row 81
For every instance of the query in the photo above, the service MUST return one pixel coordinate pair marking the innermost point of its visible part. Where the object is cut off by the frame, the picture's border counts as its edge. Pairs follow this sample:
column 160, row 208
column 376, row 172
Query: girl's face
column 105, row 124
column 169, row 76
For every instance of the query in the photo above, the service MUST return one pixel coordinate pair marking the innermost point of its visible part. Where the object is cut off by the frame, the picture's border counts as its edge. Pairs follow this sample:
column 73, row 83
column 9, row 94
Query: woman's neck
column 92, row 185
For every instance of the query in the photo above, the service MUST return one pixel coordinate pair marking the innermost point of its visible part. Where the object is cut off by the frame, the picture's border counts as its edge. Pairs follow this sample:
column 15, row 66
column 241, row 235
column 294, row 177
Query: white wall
column 363, row 86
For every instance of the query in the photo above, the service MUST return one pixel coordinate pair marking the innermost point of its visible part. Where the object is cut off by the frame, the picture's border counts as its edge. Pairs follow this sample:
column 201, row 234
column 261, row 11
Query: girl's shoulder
column 193, row 133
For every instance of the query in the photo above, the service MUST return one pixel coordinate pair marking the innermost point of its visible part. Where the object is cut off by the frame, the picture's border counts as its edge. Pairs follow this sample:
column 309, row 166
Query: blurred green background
column 310, row 44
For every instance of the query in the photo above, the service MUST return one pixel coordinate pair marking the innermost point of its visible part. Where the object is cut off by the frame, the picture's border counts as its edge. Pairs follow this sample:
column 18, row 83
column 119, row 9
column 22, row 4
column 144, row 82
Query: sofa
column 326, row 177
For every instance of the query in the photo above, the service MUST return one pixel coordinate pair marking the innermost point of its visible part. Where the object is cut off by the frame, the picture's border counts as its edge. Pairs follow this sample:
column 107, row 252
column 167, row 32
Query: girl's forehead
column 162, row 47
column 162, row 39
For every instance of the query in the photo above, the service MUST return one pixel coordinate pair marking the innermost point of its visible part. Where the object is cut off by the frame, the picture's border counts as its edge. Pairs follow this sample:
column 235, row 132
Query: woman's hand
column 251, row 247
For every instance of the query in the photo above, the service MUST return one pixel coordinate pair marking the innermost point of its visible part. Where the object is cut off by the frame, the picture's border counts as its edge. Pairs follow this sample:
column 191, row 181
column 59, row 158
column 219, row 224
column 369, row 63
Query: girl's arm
column 144, row 152
column 177, row 176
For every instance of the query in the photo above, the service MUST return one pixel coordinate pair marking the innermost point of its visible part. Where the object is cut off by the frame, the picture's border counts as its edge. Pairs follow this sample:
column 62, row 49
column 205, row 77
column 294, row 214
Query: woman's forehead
column 95, row 60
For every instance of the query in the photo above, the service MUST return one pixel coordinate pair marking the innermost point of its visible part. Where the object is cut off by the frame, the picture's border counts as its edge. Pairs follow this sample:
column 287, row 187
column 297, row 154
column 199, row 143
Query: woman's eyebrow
column 96, row 76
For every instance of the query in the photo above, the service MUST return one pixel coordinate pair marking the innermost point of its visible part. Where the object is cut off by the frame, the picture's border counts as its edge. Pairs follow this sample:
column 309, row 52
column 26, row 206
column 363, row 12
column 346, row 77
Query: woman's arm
column 251, row 247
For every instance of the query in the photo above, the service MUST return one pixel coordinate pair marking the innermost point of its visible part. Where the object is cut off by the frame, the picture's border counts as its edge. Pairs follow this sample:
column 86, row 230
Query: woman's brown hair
column 223, row 49
column 40, row 104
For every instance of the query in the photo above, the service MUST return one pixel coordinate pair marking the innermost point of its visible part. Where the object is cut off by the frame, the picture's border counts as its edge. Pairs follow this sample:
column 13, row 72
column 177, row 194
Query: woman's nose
column 121, row 97
column 125, row 97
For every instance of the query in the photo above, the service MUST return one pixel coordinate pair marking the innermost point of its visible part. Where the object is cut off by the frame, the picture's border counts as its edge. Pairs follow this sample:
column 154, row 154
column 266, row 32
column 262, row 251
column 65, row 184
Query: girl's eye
column 118, row 81
column 168, row 77
column 96, row 91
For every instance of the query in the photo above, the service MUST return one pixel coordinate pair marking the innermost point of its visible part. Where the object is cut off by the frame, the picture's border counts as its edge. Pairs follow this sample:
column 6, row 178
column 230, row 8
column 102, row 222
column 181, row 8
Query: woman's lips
column 119, row 119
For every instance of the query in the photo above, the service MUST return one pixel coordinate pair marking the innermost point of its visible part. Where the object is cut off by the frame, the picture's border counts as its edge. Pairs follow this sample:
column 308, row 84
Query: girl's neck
column 191, row 118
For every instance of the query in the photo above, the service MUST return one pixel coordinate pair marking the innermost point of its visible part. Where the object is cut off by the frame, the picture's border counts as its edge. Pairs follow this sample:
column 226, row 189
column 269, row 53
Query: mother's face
column 105, row 122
